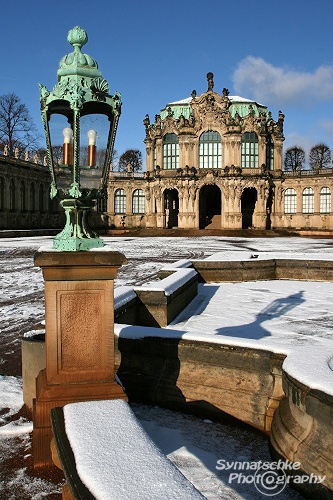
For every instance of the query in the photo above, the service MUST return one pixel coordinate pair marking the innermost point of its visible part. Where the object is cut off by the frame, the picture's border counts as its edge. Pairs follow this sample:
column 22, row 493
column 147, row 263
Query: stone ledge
column 158, row 367
column 242, row 382
column 158, row 303
column 116, row 465
column 257, row 269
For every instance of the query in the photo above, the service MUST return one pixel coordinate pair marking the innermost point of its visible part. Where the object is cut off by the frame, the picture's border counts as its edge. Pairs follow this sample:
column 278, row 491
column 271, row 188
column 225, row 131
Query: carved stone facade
column 25, row 202
column 24, row 196
column 216, row 161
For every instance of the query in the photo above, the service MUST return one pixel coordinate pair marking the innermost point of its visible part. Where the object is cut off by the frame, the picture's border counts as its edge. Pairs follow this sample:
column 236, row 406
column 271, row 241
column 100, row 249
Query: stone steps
column 215, row 223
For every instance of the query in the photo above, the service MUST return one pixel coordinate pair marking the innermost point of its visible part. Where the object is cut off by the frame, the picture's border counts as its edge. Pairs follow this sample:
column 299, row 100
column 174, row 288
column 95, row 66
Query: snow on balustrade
column 115, row 457
column 173, row 266
column 123, row 295
column 171, row 283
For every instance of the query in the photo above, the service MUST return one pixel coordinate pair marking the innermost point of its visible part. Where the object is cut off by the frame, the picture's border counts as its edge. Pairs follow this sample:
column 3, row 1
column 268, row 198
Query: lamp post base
column 76, row 234
column 79, row 339
column 76, row 244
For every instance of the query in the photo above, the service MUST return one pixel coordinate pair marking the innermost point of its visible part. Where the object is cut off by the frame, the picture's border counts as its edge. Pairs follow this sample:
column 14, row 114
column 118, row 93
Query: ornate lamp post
column 78, row 112
column 79, row 286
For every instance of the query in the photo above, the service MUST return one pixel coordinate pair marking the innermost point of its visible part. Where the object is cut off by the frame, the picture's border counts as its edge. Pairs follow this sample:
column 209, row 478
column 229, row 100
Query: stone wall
column 259, row 269
column 302, row 429
column 208, row 378
column 158, row 367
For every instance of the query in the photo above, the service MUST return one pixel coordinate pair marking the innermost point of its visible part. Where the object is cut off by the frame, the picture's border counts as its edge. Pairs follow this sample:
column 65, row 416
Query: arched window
column 325, row 200
column 32, row 197
column 270, row 153
column 102, row 205
column 308, row 201
column 2, row 193
column 22, row 196
column 41, row 198
column 290, row 201
column 53, row 203
column 138, row 202
column 210, row 150
column 120, row 201
column 250, row 150
column 170, row 151
column 12, row 200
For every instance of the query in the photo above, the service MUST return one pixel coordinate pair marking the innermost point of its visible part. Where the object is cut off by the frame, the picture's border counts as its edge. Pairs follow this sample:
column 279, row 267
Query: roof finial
column 210, row 80
column 77, row 37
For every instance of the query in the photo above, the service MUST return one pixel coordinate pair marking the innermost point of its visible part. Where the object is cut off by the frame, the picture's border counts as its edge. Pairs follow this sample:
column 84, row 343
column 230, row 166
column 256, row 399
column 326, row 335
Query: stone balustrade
column 262, row 388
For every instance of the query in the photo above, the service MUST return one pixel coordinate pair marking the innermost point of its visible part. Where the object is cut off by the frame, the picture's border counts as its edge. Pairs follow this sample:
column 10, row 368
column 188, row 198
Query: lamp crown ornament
column 77, row 37
column 80, row 107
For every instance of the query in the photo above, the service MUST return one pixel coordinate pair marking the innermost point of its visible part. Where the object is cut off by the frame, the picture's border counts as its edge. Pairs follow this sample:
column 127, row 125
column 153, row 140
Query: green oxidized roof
column 238, row 104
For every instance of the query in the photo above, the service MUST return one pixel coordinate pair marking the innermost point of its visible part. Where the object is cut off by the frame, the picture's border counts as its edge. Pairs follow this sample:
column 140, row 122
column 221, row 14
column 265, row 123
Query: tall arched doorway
column 248, row 202
column 210, row 206
column 171, row 208
column 269, row 209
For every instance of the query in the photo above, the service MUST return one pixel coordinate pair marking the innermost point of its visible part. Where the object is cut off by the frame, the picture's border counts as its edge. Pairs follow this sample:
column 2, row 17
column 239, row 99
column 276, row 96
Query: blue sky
column 154, row 52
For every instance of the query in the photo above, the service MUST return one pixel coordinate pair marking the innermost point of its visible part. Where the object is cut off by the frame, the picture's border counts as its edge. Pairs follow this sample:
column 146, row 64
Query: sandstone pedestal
column 79, row 324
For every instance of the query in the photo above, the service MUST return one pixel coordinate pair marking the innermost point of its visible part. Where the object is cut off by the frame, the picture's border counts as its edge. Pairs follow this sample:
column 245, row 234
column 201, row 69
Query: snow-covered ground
column 278, row 315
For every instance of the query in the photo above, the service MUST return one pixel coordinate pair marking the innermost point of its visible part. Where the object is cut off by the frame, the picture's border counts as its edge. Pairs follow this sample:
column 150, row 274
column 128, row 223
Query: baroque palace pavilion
column 215, row 161
column 212, row 161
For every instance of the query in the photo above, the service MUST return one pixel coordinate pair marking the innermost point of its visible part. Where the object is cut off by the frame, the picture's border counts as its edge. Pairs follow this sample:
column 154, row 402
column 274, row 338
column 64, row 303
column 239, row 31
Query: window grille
column 120, row 201
column 41, row 198
column 102, row 205
column 138, row 202
column 250, row 156
column 210, row 150
column 22, row 196
column 12, row 200
column 325, row 200
column 290, row 201
column 170, row 151
column 32, row 197
column 308, row 201
column 2, row 193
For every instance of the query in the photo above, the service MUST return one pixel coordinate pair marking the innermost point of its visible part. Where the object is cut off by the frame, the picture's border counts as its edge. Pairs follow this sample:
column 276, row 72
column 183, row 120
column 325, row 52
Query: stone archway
column 210, row 206
column 269, row 204
column 171, row 208
column 248, row 201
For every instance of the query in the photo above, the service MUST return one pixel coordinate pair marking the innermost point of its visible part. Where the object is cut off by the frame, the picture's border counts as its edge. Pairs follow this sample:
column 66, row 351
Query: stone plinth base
column 52, row 396
column 33, row 361
column 79, row 336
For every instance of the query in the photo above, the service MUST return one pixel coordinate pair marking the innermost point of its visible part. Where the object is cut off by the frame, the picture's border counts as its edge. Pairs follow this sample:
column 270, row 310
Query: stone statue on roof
column 210, row 80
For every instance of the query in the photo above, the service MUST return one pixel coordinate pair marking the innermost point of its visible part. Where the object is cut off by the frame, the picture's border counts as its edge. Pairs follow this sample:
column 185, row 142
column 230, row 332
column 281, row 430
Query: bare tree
column 294, row 158
column 130, row 161
column 320, row 156
column 17, row 129
column 57, row 153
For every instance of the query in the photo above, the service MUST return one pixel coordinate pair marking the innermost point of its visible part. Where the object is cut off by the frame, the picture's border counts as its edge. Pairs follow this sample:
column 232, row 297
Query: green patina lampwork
column 80, row 97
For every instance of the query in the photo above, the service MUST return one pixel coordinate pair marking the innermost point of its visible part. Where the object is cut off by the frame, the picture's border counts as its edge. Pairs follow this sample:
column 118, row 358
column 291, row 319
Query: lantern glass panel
column 94, row 132
column 61, row 150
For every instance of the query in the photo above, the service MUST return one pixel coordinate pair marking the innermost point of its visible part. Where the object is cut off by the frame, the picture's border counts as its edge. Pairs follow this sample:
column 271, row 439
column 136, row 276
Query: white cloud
column 259, row 80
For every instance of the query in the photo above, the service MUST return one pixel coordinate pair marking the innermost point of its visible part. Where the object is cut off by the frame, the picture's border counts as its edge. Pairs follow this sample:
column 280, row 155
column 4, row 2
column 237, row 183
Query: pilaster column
column 149, row 155
column 159, row 152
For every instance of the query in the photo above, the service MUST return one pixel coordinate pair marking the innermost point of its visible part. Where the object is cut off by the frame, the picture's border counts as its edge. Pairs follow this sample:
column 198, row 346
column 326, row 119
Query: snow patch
column 16, row 428
column 11, row 400
column 171, row 283
column 115, row 458
column 122, row 295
